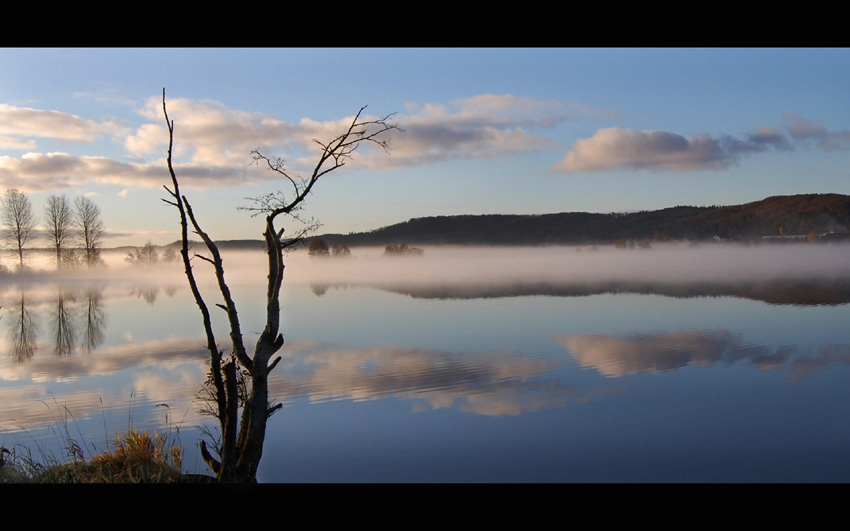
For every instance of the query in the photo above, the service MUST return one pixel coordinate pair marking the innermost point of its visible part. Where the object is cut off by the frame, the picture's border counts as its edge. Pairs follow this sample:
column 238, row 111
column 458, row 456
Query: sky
column 482, row 130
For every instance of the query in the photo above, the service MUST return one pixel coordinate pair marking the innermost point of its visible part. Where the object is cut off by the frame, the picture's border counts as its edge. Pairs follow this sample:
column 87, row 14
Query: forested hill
column 796, row 214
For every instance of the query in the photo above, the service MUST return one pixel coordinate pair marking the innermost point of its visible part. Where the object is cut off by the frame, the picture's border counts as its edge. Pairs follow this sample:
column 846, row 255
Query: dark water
column 470, row 379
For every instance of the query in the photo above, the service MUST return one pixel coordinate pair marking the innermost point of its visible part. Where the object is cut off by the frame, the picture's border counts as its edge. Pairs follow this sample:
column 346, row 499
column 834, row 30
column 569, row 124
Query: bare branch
column 204, row 258
column 273, row 410
column 233, row 318
column 215, row 354
column 334, row 155
column 277, row 165
column 229, row 387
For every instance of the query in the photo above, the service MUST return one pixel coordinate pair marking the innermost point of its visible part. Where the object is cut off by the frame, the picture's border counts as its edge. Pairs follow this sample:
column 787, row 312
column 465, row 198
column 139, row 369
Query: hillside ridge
column 799, row 214
column 772, row 216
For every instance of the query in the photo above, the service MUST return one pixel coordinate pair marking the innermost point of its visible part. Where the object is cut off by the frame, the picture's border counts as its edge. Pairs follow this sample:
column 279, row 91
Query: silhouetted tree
column 19, row 220
column 89, row 227
column 58, row 217
column 240, row 381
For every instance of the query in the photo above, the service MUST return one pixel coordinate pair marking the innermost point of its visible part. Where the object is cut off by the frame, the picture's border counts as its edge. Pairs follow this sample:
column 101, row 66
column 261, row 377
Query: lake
column 715, row 363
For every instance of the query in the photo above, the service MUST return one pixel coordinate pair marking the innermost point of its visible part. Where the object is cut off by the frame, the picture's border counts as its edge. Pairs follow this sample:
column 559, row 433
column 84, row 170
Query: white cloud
column 484, row 126
column 212, row 143
column 208, row 133
column 624, row 148
column 35, row 172
column 27, row 122
column 616, row 148
column 16, row 143
column 804, row 130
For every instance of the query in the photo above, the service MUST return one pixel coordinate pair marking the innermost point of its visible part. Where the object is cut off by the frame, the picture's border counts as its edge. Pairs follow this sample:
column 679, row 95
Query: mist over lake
column 716, row 362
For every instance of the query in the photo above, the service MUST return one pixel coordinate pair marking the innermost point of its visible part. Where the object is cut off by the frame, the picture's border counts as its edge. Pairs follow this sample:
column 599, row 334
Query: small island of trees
column 319, row 248
column 147, row 255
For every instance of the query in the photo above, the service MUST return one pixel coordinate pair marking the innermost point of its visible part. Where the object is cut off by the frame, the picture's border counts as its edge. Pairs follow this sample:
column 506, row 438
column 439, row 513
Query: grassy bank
column 135, row 457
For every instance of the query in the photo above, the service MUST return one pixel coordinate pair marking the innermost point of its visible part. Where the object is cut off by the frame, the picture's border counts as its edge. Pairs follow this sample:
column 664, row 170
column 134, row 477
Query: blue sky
column 493, row 130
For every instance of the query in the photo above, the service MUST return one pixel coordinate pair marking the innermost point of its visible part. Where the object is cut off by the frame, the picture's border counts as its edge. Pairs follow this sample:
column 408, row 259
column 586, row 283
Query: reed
column 135, row 457
column 132, row 457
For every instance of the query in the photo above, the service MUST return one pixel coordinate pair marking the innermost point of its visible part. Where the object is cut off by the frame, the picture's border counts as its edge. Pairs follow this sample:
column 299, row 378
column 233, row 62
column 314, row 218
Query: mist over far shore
column 662, row 262
column 489, row 268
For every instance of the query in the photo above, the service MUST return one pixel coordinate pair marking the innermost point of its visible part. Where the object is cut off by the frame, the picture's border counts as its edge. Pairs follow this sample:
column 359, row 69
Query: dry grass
column 136, row 457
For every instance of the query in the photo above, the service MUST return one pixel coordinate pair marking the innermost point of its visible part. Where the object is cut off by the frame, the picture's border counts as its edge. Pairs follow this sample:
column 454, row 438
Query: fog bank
column 567, row 264
column 670, row 263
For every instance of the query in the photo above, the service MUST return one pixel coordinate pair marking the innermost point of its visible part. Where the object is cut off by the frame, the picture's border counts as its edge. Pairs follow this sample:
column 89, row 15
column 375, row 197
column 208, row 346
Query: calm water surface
column 465, row 368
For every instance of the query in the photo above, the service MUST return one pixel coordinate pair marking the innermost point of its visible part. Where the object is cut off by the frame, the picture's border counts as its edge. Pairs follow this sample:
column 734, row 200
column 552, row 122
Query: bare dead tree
column 241, row 379
column 58, row 217
column 19, row 220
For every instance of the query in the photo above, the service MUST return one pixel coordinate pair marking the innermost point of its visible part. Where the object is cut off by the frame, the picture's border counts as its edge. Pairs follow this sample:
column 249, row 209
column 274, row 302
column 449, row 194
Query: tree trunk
column 240, row 455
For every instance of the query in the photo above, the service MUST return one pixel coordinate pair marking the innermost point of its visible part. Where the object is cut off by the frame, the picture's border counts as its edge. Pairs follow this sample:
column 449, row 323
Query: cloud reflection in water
column 485, row 383
column 618, row 356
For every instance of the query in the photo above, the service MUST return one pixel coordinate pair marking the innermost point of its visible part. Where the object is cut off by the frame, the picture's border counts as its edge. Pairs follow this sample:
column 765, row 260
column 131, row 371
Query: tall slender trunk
column 239, row 456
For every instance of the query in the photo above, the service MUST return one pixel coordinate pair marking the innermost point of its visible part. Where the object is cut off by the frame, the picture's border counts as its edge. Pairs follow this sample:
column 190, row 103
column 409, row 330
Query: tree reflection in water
column 67, row 323
column 148, row 292
column 64, row 334
column 94, row 320
column 22, row 332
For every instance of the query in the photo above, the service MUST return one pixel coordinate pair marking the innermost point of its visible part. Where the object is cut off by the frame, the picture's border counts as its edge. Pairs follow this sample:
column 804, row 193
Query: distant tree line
column 797, row 214
column 66, row 223
column 809, row 214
